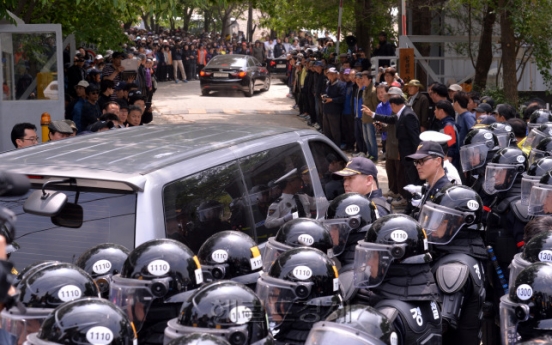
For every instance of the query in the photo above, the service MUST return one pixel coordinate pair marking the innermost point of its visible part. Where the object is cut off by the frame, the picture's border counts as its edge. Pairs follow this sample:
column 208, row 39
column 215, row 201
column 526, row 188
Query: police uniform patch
column 271, row 212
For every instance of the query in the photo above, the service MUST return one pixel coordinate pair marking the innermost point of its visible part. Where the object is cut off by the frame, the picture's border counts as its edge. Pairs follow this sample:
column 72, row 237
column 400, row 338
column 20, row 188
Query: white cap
column 395, row 91
column 437, row 137
column 455, row 87
column 99, row 57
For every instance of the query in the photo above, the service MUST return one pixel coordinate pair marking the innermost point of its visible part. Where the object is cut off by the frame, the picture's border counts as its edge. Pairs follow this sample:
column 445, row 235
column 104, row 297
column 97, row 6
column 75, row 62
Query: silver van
column 185, row 182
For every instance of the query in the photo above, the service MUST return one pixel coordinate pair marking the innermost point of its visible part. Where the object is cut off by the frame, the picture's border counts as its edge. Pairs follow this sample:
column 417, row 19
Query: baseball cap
column 347, row 71
column 83, row 83
column 120, row 86
column 60, row 126
column 71, row 124
column 435, row 136
column 484, row 108
column 359, row 166
column 395, row 91
column 427, row 148
column 332, row 70
column 455, row 87
column 486, row 119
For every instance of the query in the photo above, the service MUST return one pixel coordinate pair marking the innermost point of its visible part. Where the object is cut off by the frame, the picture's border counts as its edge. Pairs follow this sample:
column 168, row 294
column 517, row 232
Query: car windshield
column 227, row 61
column 107, row 217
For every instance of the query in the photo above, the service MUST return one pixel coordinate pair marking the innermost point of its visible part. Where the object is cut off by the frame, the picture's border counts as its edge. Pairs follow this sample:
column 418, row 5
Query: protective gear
column 350, row 213
column 533, row 175
column 501, row 172
column 225, row 309
column 543, row 149
column 31, row 268
column 504, row 134
column 526, row 312
column 297, row 233
column 210, row 210
column 536, row 135
column 354, row 325
column 538, row 249
column 453, row 209
column 300, row 282
column 393, row 238
column 41, row 291
column 477, row 144
column 102, row 262
column 540, row 199
column 230, row 255
column 85, row 321
column 198, row 339
column 160, row 270
column 539, row 117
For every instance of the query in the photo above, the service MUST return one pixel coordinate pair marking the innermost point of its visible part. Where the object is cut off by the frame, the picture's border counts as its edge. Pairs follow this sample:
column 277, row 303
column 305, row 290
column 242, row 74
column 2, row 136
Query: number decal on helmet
column 101, row 266
column 302, row 272
column 393, row 340
column 69, row 293
column 508, row 128
column 336, row 284
column 487, row 135
column 99, row 335
column 306, row 240
column 256, row 262
column 520, row 159
column 352, row 210
column 198, row 276
column 158, row 267
column 220, row 256
column 524, row 292
column 473, row 205
column 399, row 236
column 240, row 315
column 545, row 255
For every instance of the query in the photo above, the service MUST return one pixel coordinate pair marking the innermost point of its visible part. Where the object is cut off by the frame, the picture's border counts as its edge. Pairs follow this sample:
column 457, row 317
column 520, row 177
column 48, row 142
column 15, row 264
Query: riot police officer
column 392, row 271
column 536, row 135
column 300, row 288
column 198, row 339
column 85, row 321
column 354, row 324
column 41, row 291
column 543, row 149
column 102, row 262
column 225, row 309
column 230, row 255
column 533, row 174
column 539, row 117
column 156, row 278
column 540, row 199
column 298, row 233
column 504, row 134
column 537, row 249
column 453, row 225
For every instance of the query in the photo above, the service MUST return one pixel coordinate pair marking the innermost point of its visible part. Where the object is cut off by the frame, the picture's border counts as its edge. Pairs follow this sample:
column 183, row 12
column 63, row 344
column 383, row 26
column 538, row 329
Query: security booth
column 32, row 76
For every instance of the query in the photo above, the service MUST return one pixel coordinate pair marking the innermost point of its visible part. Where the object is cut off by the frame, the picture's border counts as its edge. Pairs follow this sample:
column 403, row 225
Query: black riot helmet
column 85, row 321
column 302, row 285
column 539, row 117
column 198, row 339
column 392, row 238
column 453, row 208
column 536, row 135
column 103, row 262
column 300, row 232
column 540, row 198
column 161, row 270
column 527, row 310
column 230, row 255
column 348, row 213
column 502, row 171
column 31, row 268
column 537, row 249
column 355, row 324
column 543, row 149
column 504, row 134
column 41, row 291
column 533, row 175
column 478, row 144
column 226, row 309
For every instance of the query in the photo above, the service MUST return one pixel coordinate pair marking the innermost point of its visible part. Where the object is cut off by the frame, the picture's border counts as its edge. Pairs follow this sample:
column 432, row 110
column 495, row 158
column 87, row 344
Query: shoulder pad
column 418, row 315
column 503, row 205
column 452, row 277
column 521, row 211
column 382, row 203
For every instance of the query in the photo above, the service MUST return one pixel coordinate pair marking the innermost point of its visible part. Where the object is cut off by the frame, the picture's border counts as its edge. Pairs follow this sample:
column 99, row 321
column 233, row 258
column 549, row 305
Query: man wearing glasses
column 429, row 160
column 23, row 135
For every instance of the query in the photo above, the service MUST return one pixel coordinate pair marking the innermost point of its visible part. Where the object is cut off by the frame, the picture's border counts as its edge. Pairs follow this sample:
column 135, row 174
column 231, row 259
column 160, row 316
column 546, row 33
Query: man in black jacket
column 333, row 106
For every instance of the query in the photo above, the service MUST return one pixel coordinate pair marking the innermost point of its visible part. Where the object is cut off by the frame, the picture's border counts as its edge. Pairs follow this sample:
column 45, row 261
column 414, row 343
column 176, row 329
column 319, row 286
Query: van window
column 327, row 161
column 107, row 218
column 268, row 175
column 205, row 203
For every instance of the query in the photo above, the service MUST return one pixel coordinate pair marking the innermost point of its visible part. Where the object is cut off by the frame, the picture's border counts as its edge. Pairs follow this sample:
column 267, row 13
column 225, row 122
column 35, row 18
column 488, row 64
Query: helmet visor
column 517, row 265
column 133, row 296
column 508, row 321
column 278, row 296
column 527, row 182
column 340, row 228
column 499, row 177
column 535, row 155
column 237, row 335
column 372, row 262
column 442, row 223
column 337, row 334
column 540, row 201
column 473, row 156
column 19, row 326
column 272, row 251
column 534, row 138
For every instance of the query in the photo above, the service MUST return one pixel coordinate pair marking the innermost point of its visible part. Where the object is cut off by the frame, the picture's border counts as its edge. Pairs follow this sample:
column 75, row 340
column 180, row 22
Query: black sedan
column 234, row 72
column 278, row 67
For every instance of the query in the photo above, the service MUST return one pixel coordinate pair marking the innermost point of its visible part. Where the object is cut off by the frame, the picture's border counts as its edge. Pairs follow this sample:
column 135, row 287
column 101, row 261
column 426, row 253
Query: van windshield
column 107, row 217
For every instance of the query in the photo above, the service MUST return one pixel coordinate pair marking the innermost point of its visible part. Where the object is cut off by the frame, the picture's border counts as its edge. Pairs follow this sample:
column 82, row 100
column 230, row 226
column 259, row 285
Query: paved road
column 183, row 102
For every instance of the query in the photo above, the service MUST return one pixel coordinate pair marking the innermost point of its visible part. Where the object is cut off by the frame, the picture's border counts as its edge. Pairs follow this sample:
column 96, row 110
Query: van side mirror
column 48, row 203
column 70, row 216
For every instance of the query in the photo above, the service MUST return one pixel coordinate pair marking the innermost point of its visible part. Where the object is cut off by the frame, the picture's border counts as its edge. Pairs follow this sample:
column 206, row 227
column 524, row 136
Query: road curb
column 226, row 111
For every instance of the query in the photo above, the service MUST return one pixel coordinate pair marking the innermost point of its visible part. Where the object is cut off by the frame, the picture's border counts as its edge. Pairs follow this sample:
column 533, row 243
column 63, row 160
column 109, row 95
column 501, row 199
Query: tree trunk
column 485, row 53
column 188, row 11
column 145, row 19
column 508, row 47
column 207, row 21
column 363, row 26
column 249, row 32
